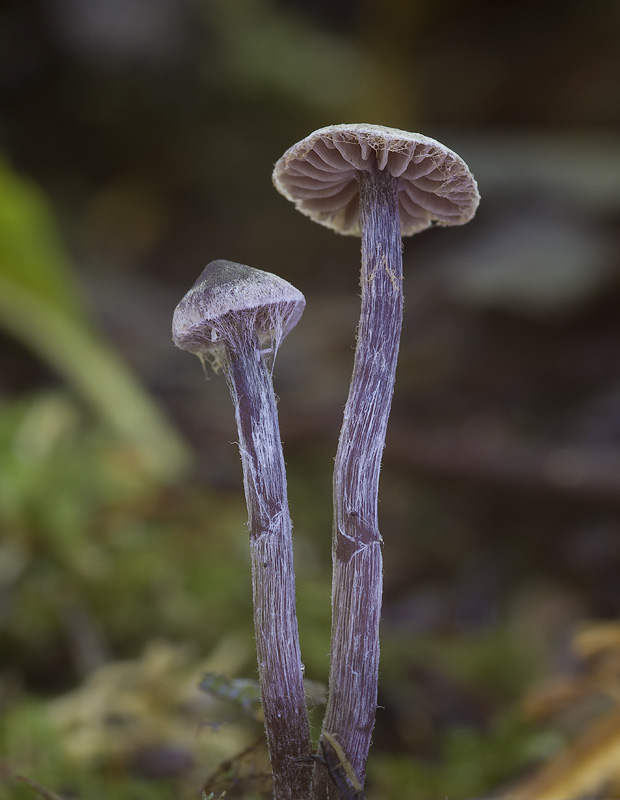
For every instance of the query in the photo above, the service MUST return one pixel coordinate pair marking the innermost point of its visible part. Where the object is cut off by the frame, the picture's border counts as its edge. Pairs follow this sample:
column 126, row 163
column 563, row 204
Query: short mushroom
column 235, row 317
column 380, row 183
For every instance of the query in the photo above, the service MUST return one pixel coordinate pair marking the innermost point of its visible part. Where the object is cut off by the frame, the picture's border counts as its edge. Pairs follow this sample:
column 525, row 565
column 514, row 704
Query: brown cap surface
column 319, row 175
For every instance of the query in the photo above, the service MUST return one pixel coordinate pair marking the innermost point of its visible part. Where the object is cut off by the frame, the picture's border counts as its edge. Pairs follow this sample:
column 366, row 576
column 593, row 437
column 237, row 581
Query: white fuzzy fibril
column 231, row 317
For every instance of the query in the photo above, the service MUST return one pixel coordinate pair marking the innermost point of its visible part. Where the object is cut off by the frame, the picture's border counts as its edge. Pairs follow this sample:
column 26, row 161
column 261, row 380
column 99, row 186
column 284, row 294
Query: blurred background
column 137, row 140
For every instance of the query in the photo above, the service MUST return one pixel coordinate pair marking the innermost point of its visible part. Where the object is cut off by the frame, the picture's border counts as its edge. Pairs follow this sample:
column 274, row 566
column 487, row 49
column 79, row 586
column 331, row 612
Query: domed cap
column 228, row 299
column 319, row 175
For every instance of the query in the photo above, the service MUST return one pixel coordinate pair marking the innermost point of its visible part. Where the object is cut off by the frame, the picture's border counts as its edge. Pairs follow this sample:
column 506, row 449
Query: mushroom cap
column 319, row 175
column 229, row 298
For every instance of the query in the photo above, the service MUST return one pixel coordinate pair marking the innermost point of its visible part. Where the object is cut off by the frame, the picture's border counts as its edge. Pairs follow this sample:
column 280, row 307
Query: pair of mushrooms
column 382, row 184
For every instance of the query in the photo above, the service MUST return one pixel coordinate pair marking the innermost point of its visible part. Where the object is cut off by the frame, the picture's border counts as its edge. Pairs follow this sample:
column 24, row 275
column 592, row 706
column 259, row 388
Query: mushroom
column 235, row 317
column 380, row 183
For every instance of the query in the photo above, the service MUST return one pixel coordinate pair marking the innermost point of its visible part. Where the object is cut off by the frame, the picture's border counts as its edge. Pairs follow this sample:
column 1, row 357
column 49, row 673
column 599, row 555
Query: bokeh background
column 137, row 141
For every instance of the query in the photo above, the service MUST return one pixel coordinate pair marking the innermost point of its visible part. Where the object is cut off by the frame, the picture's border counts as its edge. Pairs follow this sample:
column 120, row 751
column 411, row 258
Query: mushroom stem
column 273, row 580
column 357, row 545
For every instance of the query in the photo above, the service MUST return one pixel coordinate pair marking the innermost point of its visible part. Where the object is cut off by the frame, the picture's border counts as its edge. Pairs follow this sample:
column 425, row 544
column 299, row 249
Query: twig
column 228, row 764
column 340, row 769
column 48, row 794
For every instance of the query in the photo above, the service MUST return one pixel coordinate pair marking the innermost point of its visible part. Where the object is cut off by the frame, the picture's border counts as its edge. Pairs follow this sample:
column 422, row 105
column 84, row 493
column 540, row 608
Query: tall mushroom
column 381, row 183
column 235, row 317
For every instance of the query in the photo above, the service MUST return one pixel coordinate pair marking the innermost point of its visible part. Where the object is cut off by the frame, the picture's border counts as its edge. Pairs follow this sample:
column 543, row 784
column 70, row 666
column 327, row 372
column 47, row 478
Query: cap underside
column 319, row 175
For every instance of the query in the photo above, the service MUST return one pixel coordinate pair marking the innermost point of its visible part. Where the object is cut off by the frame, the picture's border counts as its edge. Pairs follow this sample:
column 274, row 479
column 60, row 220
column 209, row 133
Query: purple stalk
column 357, row 544
column 273, row 578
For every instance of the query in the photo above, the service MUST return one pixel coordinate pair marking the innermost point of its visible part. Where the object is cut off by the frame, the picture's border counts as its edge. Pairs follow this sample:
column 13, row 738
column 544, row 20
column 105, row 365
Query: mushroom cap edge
column 226, row 291
column 318, row 175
